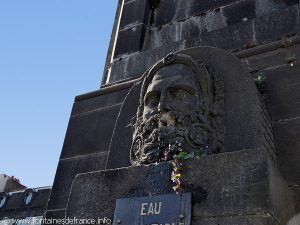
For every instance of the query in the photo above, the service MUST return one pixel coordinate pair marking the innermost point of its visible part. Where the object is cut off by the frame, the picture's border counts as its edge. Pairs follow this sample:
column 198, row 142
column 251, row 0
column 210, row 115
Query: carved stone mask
column 175, row 112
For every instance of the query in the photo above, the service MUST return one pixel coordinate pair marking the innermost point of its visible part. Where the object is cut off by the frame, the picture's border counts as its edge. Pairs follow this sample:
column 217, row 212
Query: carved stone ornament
column 180, row 109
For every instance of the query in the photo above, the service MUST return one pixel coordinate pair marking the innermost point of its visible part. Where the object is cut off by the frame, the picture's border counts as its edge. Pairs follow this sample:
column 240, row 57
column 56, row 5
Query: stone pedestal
column 233, row 188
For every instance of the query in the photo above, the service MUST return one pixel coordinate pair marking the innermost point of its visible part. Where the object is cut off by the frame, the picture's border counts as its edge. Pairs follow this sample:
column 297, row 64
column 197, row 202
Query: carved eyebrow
column 186, row 88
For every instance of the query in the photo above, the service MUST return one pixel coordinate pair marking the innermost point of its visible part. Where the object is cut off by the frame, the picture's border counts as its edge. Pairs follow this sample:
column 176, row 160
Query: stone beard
column 180, row 109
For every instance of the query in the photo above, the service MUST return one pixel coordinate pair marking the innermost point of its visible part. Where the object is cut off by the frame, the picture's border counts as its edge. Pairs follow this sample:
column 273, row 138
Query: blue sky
column 50, row 51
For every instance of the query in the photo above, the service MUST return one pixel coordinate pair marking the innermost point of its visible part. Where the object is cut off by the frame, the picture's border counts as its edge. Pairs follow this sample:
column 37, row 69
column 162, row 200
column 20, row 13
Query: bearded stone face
column 173, row 88
column 172, row 119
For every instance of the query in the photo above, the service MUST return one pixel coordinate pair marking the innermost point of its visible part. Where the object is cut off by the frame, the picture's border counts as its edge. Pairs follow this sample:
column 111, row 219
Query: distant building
column 8, row 184
column 19, row 204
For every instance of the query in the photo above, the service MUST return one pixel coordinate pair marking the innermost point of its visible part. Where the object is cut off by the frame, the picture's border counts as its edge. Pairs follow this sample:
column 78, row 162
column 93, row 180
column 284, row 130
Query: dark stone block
column 287, row 141
column 90, row 132
column 265, row 28
column 99, row 102
column 67, row 171
column 167, row 12
column 277, row 25
column 192, row 27
column 231, row 38
column 94, row 195
column 119, row 69
column 261, row 219
column 196, row 7
column 183, row 30
column 171, row 27
column 135, row 65
column 54, row 214
column 251, row 186
column 130, row 40
column 281, row 91
column 134, row 12
column 166, row 35
column 266, row 7
column 219, row 186
column 271, row 58
column 122, row 132
column 265, row 60
column 235, row 13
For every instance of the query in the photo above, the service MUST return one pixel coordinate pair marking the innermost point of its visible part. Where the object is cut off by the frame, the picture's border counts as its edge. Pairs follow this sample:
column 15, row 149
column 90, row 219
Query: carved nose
column 162, row 104
column 161, row 107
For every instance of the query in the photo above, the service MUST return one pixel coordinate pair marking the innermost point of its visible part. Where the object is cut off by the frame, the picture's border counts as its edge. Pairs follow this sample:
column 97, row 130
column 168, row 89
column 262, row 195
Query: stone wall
column 170, row 26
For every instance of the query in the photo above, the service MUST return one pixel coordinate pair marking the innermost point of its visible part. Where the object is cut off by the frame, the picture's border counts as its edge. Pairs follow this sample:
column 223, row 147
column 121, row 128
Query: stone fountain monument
column 189, row 125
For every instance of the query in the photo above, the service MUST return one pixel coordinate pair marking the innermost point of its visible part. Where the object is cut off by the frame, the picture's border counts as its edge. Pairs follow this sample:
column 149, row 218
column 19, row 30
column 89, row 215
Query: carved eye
column 152, row 101
column 180, row 94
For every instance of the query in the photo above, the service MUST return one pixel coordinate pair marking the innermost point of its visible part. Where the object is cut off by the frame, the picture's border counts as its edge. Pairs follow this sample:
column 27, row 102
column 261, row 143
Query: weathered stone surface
column 135, row 65
column 134, row 12
column 240, row 11
column 287, row 141
column 198, row 25
column 66, row 172
column 165, row 35
column 260, row 219
column 96, row 103
column 279, row 24
column 122, row 136
column 219, row 185
column 130, row 40
column 266, row 60
column 281, row 91
column 253, row 185
column 90, row 132
column 94, row 194
column 196, row 8
column 232, row 38
column 229, row 38
column 203, row 31
column 168, row 12
column 191, row 33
